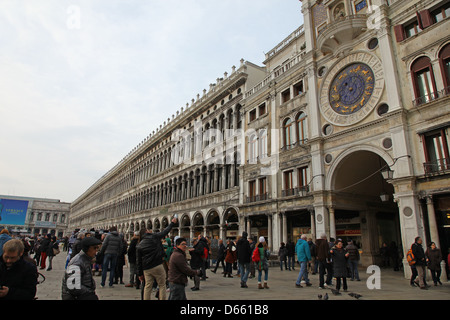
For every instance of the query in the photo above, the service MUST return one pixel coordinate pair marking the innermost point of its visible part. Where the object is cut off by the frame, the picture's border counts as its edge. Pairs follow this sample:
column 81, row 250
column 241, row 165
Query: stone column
column 285, row 236
column 432, row 221
column 332, row 222
column 269, row 231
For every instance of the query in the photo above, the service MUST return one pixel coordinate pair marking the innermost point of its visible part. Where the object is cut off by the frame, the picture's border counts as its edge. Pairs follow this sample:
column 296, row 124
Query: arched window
column 288, row 134
column 301, row 128
column 263, row 143
column 423, row 81
column 444, row 61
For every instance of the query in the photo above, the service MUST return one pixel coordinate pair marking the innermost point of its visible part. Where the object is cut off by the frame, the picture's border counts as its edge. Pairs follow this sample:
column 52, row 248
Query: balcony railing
column 301, row 191
column 259, row 197
column 437, row 167
column 431, row 97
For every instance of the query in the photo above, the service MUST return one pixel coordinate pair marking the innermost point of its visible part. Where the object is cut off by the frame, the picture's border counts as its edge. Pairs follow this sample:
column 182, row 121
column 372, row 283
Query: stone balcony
column 341, row 33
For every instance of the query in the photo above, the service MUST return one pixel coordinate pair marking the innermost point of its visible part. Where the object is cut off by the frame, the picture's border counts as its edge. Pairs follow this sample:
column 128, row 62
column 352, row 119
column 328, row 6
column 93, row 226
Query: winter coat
column 132, row 250
column 52, row 245
column 21, row 279
column 221, row 252
column 435, row 258
column 4, row 237
column 150, row 251
column 76, row 289
column 244, row 252
column 264, row 255
column 339, row 262
column 231, row 255
column 290, row 246
column 419, row 254
column 178, row 268
column 197, row 254
column 353, row 252
column 322, row 250
column 282, row 253
column 302, row 249
column 44, row 244
column 112, row 244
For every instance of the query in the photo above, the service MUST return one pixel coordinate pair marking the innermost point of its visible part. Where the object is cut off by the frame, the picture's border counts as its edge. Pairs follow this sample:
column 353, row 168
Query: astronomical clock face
column 351, row 89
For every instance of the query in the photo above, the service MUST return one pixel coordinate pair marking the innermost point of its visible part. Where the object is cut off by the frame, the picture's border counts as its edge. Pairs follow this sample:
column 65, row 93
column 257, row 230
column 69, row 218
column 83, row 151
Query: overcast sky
column 83, row 82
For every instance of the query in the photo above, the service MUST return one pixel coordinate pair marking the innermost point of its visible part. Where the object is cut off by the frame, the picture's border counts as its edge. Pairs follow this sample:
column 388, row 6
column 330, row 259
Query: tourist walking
column 340, row 255
column 323, row 260
column 221, row 252
column 244, row 255
column 261, row 256
column 111, row 248
column 44, row 247
column 196, row 252
column 353, row 260
column 290, row 246
column 118, row 275
column 179, row 271
column 134, row 280
column 421, row 262
column 53, row 250
column 434, row 256
column 303, row 257
column 78, row 281
column 230, row 258
column 149, row 259
column 282, row 255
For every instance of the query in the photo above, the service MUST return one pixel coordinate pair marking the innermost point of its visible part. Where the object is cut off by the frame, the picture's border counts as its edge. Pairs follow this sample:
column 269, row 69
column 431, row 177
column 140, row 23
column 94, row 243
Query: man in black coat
column 220, row 256
column 421, row 261
column 149, row 258
column 18, row 278
column 244, row 255
column 197, row 259
column 44, row 247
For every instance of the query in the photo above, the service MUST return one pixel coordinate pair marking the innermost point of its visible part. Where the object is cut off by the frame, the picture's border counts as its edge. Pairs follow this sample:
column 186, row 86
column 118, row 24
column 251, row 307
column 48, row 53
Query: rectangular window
column 286, row 96
column 262, row 109
column 298, row 88
column 252, row 115
column 262, row 143
column 288, row 180
column 263, row 188
column 412, row 29
column 252, row 190
column 441, row 13
column 302, row 177
column 436, row 147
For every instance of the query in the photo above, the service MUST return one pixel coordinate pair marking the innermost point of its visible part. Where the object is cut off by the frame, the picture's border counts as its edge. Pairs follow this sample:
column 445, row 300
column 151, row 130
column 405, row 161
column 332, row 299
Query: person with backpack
column 420, row 262
column 261, row 256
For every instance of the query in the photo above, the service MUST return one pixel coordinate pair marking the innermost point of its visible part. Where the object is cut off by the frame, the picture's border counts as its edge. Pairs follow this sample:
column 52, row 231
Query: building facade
column 344, row 131
column 35, row 216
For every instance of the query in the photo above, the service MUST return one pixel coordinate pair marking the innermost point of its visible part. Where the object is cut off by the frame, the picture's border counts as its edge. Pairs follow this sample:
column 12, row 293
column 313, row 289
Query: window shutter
column 400, row 33
column 425, row 18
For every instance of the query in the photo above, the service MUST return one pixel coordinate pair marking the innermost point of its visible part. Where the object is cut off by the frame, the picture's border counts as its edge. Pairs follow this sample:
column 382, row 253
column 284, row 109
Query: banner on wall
column 13, row 212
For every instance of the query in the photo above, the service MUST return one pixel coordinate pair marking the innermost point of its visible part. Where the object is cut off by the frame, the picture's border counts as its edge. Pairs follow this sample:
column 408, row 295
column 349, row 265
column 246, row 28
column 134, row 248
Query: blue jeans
column 266, row 275
column 291, row 262
column 353, row 264
column 110, row 260
column 244, row 270
column 303, row 272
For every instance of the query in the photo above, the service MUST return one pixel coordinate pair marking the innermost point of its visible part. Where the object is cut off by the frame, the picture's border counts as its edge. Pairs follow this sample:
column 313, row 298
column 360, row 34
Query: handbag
column 55, row 251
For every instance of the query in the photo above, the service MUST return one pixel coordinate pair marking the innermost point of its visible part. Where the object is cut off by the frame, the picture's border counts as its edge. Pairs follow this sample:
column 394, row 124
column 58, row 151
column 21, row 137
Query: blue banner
column 13, row 212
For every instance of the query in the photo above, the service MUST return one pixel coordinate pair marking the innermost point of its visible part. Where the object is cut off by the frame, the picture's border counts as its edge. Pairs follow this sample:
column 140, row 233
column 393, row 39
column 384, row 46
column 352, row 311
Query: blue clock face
column 351, row 88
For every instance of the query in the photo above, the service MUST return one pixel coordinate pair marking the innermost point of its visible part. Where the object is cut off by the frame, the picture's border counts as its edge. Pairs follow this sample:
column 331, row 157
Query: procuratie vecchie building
column 343, row 130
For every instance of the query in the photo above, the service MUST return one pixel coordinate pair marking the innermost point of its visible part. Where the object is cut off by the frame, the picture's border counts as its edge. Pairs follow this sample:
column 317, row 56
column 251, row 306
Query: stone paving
column 281, row 283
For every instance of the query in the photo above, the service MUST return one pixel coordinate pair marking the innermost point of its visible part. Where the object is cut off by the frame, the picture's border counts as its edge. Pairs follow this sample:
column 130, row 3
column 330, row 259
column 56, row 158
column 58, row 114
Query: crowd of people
column 157, row 262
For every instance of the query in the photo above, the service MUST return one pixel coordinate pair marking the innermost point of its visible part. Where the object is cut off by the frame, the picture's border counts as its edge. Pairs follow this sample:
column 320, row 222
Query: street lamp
column 387, row 174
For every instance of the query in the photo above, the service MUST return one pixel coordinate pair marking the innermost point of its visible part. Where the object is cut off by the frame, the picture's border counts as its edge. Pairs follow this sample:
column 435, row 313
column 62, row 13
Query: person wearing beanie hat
column 244, row 254
column 263, row 255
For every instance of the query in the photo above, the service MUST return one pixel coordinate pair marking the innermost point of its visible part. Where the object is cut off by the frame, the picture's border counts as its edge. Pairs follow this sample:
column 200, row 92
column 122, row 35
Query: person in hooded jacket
column 303, row 257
